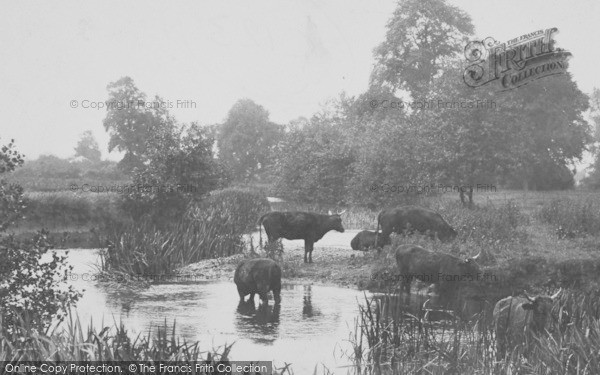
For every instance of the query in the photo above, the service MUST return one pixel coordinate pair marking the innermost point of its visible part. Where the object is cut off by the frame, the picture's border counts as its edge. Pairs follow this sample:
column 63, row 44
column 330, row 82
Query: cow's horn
column 342, row 212
column 476, row 256
column 531, row 299
column 556, row 294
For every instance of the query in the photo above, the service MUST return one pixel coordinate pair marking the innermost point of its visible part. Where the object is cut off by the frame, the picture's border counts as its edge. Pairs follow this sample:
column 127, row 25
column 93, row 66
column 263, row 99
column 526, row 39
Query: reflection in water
column 432, row 308
column 307, row 307
column 262, row 324
column 208, row 312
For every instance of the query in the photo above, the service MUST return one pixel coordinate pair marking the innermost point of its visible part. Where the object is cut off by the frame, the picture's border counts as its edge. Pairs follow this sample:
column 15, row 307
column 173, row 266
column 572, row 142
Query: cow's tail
column 260, row 221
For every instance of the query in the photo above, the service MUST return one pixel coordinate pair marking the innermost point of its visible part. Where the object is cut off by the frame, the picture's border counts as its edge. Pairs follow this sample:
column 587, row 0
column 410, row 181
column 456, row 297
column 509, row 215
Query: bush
column 489, row 224
column 572, row 217
column 57, row 210
column 31, row 291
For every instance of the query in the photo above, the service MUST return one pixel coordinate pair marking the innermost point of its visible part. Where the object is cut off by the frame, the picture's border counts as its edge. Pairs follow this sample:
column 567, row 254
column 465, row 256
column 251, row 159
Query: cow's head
column 470, row 264
column 541, row 307
column 335, row 221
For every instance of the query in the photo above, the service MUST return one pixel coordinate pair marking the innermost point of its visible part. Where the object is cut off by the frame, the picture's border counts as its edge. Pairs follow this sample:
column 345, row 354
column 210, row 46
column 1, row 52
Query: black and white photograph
column 354, row 187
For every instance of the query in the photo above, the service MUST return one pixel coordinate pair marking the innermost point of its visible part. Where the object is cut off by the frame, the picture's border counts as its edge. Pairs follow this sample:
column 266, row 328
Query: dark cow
column 364, row 240
column 444, row 270
column 413, row 218
column 296, row 225
column 515, row 318
column 258, row 276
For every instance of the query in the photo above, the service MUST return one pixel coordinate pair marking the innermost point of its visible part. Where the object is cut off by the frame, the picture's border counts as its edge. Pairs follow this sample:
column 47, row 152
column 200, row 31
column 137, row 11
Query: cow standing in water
column 258, row 276
column 411, row 219
column 516, row 318
column 295, row 225
column 446, row 271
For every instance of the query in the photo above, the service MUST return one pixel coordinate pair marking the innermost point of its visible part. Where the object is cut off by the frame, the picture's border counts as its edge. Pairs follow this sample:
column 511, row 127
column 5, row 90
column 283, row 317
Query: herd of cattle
column 514, row 317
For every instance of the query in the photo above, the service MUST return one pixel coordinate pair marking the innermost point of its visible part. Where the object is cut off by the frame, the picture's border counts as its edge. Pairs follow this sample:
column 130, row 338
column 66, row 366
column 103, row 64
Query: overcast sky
column 289, row 56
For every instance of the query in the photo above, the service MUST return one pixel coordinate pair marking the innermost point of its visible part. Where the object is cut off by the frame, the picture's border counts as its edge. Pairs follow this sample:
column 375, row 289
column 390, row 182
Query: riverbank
column 333, row 264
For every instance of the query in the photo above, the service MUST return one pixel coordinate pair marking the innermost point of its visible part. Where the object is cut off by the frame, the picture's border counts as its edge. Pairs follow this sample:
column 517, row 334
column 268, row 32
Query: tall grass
column 111, row 344
column 215, row 228
column 572, row 217
column 388, row 339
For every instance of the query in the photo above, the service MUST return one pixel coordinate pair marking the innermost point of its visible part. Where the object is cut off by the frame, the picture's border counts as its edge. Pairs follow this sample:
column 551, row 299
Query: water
column 310, row 327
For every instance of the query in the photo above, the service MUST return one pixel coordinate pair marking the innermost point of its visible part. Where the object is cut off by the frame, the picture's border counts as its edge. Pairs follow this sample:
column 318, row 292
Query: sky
column 289, row 56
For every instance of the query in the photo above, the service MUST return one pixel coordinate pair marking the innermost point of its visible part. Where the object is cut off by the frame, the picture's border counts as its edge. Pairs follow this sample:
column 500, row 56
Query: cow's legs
column 308, row 248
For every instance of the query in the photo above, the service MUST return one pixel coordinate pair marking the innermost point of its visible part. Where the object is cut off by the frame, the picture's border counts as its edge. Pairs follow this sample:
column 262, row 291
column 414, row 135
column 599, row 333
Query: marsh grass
column 214, row 228
column 388, row 339
column 72, row 342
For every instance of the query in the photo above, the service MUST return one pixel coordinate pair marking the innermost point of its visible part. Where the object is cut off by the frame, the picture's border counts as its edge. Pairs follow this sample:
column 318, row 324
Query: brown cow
column 515, row 318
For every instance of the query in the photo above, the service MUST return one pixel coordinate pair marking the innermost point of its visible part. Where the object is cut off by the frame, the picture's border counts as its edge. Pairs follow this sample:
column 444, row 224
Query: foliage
column 388, row 337
column 87, row 147
column 314, row 161
column 132, row 121
column 30, row 290
column 48, row 172
column 210, row 229
column 549, row 128
column 179, row 169
column 420, row 36
column 11, row 195
column 572, row 217
column 246, row 204
column 112, row 345
column 246, row 140
column 593, row 179
column 62, row 210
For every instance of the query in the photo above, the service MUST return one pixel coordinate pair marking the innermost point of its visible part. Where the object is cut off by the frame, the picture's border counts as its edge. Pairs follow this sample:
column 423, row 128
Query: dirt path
column 334, row 263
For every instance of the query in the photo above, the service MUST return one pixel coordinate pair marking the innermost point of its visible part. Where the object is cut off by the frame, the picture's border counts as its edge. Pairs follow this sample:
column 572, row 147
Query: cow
column 258, row 276
column 444, row 270
column 413, row 218
column 515, row 318
column 295, row 225
column 364, row 240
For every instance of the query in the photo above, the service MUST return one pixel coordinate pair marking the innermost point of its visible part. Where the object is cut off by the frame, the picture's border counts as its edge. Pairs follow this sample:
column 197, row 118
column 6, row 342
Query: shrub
column 572, row 217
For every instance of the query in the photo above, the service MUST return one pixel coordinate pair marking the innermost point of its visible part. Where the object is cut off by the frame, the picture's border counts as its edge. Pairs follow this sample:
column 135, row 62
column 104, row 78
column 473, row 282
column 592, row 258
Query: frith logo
column 514, row 63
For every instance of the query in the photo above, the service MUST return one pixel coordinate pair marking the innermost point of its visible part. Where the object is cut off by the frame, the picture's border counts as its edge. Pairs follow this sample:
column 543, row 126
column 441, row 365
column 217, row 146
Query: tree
column 420, row 37
column 132, row 121
column 313, row 163
column 32, row 292
column 246, row 140
column 178, row 169
column 550, row 130
column 88, row 147
column 593, row 180
column 11, row 195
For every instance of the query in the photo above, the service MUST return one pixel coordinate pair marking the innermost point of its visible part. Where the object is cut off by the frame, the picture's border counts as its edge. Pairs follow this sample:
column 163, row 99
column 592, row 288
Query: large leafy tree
column 550, row 129
column 132, row 121
column 246, row 140
column 313, row 163
column 178, row 169
column 421, row 36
